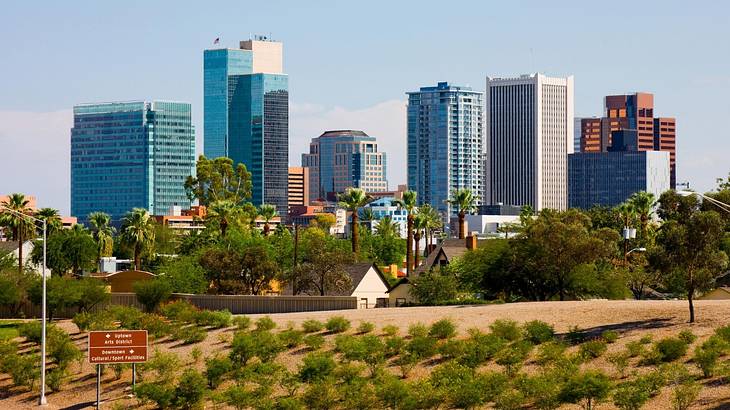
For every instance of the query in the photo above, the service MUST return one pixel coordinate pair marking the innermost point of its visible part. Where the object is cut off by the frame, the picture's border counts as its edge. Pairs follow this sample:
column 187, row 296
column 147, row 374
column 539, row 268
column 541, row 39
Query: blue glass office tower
column 246, row 115
column 445, row 144
column 128, row 155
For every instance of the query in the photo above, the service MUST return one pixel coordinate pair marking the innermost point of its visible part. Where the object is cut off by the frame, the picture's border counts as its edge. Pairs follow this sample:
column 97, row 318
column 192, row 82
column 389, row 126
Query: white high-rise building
column 529, row 128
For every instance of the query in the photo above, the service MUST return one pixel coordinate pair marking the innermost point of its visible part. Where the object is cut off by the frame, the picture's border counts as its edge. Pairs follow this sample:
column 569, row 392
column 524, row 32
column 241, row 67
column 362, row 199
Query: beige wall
column 267, row 56
column 400, row 292
column 717, row 294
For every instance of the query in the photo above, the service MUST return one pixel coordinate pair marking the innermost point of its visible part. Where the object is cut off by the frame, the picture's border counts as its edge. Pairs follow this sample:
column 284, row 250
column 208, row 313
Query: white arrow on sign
column 108, row 335
column 131, row 351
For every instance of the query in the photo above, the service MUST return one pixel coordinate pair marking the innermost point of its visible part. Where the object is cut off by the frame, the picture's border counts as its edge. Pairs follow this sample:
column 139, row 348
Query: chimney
column 471, row 242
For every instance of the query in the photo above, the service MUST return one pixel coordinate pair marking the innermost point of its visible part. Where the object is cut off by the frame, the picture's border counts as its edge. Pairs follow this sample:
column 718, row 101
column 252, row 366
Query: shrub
column 118, row 369
column 8, row 351
column 687, row 336
column 190, row 334
column 391, row 330
column 538, row 332
column 241, row 322
column 337, row 324
column 150, row 293
column 630, row 396
column 321, row 396
column 506, row 329
column 312, row 326
column 54, row 378
column 238, row 397
column 452, row 349
column 314, row 342
column 421, row 347
column 590, row 387
column 316, row 367
column 652, row 382
column 550, row 352
column 442, row 329
column 723, row 333
column 288, row 403
column 246, row 346
column 291, row 338
column 127, row 316
column 93, row 321
column 620, row 361
column 685, row 394
column 213, row 319
column 635, row 348
column 216, row 369
column 394, row 346
column 670, row 349
column 155, row 325
column 593, row 349
column 645, row 340
column 610, row 336
column 24, row 369
column 190, row 390
column 462, row 387
column 365, row 327
column 543, row 390
column 512, row 357
column 179, row 311
column 510, row 399
column 706, row 360
column 393, row 393
column 196, row 354
column 164, row 364
column 575, row 335
column 32, row 330
column 269, row 346
column 481, row 347
column 265, row 324
column 160, row 394
column 62, row 349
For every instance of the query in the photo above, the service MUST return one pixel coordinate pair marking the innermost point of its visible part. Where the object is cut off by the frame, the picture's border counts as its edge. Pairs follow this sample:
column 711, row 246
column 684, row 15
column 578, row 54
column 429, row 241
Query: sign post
column 116, row 346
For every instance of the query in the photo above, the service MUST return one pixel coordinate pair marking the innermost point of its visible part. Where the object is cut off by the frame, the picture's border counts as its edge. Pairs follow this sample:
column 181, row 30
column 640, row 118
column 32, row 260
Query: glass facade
column 130, row 155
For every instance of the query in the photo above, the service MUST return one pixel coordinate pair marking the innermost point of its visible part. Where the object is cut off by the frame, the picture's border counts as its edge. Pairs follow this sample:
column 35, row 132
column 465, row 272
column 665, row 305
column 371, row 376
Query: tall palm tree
column 20, row 228
column 409, row 204
column 223, row 213
column 387, row 227
column 138, row 231
column 433, row 222
column 52, row 218
column 643, row 204
column 420, row 224
column 367, row 216
column 352, row 200
column 465, row 202
column 103, row 233
column 267, row 212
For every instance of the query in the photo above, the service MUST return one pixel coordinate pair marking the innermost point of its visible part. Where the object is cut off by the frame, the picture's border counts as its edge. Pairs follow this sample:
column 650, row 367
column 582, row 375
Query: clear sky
column 350, row 64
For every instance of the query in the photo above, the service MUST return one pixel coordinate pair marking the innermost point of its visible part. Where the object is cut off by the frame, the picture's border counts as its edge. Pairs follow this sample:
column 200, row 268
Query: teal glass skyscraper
column 246, row 114
column 128, row 155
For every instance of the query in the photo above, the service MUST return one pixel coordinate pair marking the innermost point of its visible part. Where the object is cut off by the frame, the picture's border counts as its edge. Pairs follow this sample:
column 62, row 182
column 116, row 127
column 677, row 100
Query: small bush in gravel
column 24, row 369
column 422, row 347
column 506, row 329
column 8, row 351
column 406, row 362
column 620, row 362
column 94, row 321
column 685, row 394
column 630, row 396
column 190, row 390
column 635, row 348
column 593, row 349
column 706, row 360
column 155, row 325
column 589, row 388
column 646, row 339
column 724, row 333
column 452, row 349
column 510, row 399
column 551, row 352
column 241, row 322
column 164, row 364
column 291, row 338
column 687, row 336
column 127, row 316
column 365, row 327
column 62, row 349
column 538, row 332
column 54, row 378
column 190, row 334
column 264, row 345
column 543, row 390
column 513, row 356
column 321, row 395
column 159, row 393
column 179, row 311
column 670, row 349
column 391, row 330
column 610, row 336
column 652, row 382
column 213, row 319
column 394, row 346
column 216, row 369
column 316, row 366
column 481, row 347
column 314, row 342
column 312, row 326
column 442, row 329
column 417, row 330
column 337, row 324
column 265, row 324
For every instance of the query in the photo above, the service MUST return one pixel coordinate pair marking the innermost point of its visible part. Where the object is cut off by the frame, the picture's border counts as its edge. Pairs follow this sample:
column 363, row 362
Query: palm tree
column 20, row 228
column 433, row 222
column 408, row 203
column 138, row 231
column 52, row 218
column 387, row 227
column 103, row 233
column 352, row 200
column 465, row 202
column 267, row 212
column 420, row 224
column 642, row 203
column 223, row 213
column 367, row 216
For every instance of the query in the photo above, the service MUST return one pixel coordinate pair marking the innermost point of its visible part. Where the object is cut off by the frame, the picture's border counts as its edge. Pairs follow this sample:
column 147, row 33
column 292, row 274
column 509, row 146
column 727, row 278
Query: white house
column 10, row 249
column 368, row 285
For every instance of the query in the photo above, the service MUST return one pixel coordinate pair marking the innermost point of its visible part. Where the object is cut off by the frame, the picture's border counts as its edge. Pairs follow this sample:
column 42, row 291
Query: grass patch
column 9, row 329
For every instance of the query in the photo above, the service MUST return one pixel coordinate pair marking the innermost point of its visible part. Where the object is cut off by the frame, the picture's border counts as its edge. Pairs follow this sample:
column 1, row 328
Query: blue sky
column 350, row 64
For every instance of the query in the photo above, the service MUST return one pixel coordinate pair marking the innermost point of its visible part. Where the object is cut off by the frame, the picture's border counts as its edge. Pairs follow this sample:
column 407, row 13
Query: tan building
column 267, row 54
column 298, row 186
column 123, row 281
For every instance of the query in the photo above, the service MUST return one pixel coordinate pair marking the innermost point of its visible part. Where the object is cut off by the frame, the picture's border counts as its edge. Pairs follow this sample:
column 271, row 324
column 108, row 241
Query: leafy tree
column 138, row 232
column 434, row 288
column 18, row 228
column 68, row 250
column 103, row 233
column 267, row 212
column 604, row 217
column 409, row 203
column 92, row 292
column 464, row 202
column 150, row 293
column 322, row 270
column 216, row 180
column 352, row 200
column 61, row 293
column 486, row 269
column 257, row 268
column 224, row 213
column 589, row 387
column 324, row 221
column 184, row 274
column 676, row 207
column 688, row 252
column 386, row 250
column 52, row 218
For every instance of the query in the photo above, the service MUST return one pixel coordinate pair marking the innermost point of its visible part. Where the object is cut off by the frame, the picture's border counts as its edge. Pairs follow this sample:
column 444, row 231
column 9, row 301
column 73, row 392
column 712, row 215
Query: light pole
column 42, row 400
column 725, row 207
column 635, row 250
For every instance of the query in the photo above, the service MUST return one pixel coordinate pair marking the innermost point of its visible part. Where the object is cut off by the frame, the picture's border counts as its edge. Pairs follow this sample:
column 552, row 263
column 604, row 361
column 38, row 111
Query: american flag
column 217, row 40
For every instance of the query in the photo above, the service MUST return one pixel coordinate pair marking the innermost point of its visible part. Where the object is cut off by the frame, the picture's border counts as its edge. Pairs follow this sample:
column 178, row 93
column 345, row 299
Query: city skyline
column 35, row 111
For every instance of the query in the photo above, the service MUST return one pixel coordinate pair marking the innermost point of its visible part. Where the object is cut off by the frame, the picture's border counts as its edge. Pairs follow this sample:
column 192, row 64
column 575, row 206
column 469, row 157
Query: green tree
column 352, row 200
column 408, row 203
column 434, row 287
column 643, row 203
column 464, row 202
column 267, row 212
column 52, row 218
column 61, row 293
column 184, row 274
column 433, row 223
column 387, row 227
column 216, row 180
column 138, row 232
column 420, row 224
column 103, row 233
column 224, row 213
column 19, row 228
column 322, row 270
column 367, row 216
column 674, row 207
column 589, row 387
column 68, row 250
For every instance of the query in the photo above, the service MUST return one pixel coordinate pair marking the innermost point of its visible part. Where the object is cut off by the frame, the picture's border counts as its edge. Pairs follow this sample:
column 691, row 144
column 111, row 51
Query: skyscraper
column 298, row 186
column 128, row 155
column 246, row 114
column 342, row 159
column 529, row 135
column 445, row 144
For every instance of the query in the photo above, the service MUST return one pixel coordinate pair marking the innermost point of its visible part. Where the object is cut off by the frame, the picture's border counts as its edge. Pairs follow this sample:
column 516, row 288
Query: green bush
column 365, row 327
column 190, row 390
column 8, row 351
column 506, row 329
column 685, row 394
column 150, row 293
column 127, row 316
column 241, row 322
column 421, row 347
column 289, row 403
column 593, row 349
column 62, row 349
column 391, row 330
column 312, row 326
column 513, row 356
column 264, row 345
column 550, row 352
column 93, row 321
column 214, row 319
column 442, row 329
column 316, row 367
column 635, row 348
column 652, row 382
column 118, row 369
column 670, row 349
column 543, row 390
column 24, row 369
column 461, row 385
column 538, row 332
column 291, row 338
column 394, row 346
column 314, row 342
column 510, row 399
column 155, row 325
column 238, row 397
column 265, row 324
column 321, row 395
column 706, row 360
column 723, row 333
column 160, row 394
column 620, row 361
column 216, row 369
column 452, row 349
column 164, row 364
column 417, row 330
column 589, row 387
column 179, row 311
column 337, row 324
column 190, row 334
column 645, row 340
column 575, row 335
column 406, row 362
column 630, row 396
column 54, row 378
column 481, row 347
column 32, row 330
column 687, row 336
column 610, row 336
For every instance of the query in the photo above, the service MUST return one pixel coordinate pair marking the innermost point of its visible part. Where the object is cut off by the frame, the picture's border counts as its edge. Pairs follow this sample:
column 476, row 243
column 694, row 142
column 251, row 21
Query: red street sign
column 117, row 346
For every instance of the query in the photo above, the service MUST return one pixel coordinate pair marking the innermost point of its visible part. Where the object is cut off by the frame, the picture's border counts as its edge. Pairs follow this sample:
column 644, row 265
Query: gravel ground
column 630, row 318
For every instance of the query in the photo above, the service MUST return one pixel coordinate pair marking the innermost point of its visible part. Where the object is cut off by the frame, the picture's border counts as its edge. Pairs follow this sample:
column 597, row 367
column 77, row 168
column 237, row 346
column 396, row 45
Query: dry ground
column 630, row 318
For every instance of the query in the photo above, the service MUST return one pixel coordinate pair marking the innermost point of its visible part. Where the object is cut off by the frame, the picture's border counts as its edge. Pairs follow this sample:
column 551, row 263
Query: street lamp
column 42, row 401
column 636, row 250
column 725, row 207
